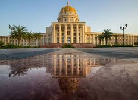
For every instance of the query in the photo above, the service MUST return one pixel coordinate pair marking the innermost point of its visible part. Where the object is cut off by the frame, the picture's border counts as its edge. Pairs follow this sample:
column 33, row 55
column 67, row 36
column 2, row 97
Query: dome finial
column 67, row 3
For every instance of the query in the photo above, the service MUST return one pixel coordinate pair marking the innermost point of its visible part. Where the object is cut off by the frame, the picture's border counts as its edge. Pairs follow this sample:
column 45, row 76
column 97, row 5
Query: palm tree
column 29, row 36
column 37, row 36
column 116, row 36
column 100, row 38
column 107, row 35
column 18, row 32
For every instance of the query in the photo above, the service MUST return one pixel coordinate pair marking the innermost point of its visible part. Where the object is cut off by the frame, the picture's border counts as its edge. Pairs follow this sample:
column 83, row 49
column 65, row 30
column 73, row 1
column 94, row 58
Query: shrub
column 1, row 44
column 10, row 46
column 136, row 43
column 67, row 46
column 107, row 46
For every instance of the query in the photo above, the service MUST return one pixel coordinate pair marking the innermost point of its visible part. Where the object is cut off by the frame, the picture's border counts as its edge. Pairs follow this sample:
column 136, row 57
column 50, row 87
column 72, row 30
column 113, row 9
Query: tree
column 1, row 43
column 107, row 35
column 100, row 38
column 37, row 36
column 116, row 36
column 29, row 36
column 18, row 32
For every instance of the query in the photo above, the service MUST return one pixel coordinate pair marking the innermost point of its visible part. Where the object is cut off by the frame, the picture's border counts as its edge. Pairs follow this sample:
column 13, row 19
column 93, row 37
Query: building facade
column 69, row 29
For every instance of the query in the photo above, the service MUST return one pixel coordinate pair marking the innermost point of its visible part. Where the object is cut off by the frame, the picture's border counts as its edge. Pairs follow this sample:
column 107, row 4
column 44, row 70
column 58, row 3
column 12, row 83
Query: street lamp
column 123, row 28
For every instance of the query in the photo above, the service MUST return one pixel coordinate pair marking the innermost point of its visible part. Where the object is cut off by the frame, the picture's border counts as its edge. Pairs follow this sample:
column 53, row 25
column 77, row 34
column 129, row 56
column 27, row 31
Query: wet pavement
column 68, row 74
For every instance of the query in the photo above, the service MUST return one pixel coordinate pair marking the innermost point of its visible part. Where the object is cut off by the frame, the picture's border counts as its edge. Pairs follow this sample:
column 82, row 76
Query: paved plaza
column 68, row 74
column 121, row 53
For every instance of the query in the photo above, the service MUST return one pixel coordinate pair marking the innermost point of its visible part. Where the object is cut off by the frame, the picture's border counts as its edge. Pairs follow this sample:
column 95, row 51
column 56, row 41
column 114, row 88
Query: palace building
column 69, row 29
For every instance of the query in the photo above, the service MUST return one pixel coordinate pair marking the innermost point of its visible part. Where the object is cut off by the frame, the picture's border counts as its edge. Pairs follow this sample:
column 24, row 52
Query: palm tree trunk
column 29, row 42
column 18, row 42
column 116, row 42
column 106, row 40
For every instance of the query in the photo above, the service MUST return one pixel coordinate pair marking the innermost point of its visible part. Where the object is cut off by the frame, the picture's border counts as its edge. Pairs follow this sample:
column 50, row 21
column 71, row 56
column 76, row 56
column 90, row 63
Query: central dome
column 68, row 14
column 68, row 9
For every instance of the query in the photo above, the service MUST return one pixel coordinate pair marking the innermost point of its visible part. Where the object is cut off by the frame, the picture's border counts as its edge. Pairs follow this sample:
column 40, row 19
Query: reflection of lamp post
column 123, row 28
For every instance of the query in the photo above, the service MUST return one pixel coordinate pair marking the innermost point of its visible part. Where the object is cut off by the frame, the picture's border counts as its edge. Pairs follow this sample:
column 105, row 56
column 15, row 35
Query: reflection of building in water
column 74, row 65
column 69, row 69
column 68, row 85
column 59, row 65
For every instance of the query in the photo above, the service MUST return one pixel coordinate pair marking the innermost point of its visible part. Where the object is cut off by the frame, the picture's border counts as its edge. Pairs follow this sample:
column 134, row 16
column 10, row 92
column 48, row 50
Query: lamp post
column 123, row 28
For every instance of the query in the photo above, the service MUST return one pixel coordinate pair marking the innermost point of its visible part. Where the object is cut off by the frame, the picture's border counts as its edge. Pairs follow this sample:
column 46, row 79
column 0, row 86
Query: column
column 60, row 65
column 65, row 34
column 77, row 63
column 43, row 40
column 127, row 40
column 97, row 40
column 84, row 68
column 77, row 33
column 36, row 42
column 65, row 58
column 8, row 39
column 93, row 39
column 90, row 39
column 133, row 40
column 104, row 41
column 53, row 35
column 60, row 35
column 72, row 34
column 55, row 64
column 83, row 34
column 72, row 64
column 5, row 40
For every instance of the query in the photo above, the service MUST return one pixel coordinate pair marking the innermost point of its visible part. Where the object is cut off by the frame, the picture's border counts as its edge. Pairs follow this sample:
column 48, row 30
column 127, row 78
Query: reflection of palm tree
column 18, row 71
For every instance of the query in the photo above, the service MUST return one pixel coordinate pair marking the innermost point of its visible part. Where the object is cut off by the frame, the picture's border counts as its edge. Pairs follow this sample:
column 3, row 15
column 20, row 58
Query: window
column 71, row 19
column 68, row 40
column 63, row 40
column 62, row 34
column 68, row 32
column 57, row 34
column 65, row 19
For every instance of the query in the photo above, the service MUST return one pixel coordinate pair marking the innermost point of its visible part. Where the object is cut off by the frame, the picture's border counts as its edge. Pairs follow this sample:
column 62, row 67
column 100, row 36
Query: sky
column 36, row 15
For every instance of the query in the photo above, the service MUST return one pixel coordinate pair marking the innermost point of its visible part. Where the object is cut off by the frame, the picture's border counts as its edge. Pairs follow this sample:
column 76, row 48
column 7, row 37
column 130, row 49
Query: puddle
column 68, row 75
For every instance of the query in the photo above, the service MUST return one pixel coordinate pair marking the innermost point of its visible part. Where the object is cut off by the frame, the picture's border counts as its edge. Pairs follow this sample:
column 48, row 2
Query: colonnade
column 4, row 39
column 75, row 65
column 129, row 39
column 68, row 67
column 78, row 38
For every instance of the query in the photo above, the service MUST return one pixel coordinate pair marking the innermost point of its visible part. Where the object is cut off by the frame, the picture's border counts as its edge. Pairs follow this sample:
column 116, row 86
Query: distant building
column 69, row 29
